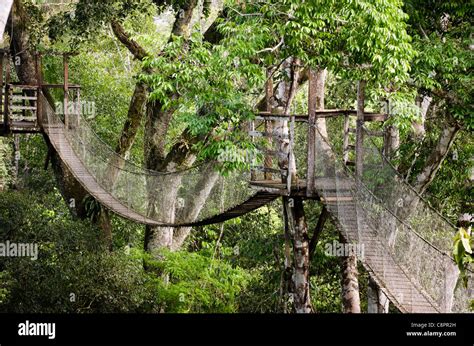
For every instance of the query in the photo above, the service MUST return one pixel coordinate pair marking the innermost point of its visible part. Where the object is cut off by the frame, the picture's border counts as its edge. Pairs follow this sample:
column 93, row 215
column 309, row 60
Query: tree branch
column 317, row 231
column 137, row 51
column 436, row 158
column 183, row 19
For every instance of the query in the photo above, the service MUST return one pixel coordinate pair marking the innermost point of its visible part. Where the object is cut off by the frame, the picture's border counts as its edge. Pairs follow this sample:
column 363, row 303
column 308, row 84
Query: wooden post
column 66, row 90
column 1, row 90
column 291, row 168
column 345, row 144
column 386, row 137
column 312, row 87
column 359, row 128
column 268, row 163
column 78, row 107
column 39, row 82
column 253, row 174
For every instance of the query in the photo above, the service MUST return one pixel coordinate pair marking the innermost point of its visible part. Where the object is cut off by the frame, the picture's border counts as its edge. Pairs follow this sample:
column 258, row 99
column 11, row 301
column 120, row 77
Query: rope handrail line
column 402, row 267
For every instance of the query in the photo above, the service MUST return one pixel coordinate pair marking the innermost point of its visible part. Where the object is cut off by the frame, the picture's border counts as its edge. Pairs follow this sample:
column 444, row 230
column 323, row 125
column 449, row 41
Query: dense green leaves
column 462, row 251
column 444, row 65
column 207, row 86
column 363, row 39
column 212, row 87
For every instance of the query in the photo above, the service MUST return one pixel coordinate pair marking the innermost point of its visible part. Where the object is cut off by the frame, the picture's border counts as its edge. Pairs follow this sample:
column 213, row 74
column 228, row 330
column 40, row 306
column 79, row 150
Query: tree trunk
column 191, row 211
column 129, row 132
column 436, row 158
column 392, row 142
column 419, row 126
column 322, row 139
column 350, row 284
column 71, row 190
column 298, row 230
column 286, row 284
column 5, row 7
column 377, row 300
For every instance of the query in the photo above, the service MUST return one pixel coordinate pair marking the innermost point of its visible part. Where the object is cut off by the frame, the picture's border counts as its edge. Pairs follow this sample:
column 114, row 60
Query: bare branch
column 138, row 52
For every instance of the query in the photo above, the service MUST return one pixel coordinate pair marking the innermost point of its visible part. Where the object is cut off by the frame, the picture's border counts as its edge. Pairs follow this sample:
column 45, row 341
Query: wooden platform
column 298, row 189
column 21, row 127
column 325, row 113
column 279, row 188
column 338, row 198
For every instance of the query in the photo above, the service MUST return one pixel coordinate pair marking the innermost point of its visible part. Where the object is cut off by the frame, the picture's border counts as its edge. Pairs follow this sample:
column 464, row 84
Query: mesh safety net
column 407, row 244
column 175, row 198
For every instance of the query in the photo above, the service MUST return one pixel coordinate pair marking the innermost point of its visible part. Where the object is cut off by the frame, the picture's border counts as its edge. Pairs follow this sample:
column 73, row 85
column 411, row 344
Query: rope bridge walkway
column 407, row 244
column 136, row 193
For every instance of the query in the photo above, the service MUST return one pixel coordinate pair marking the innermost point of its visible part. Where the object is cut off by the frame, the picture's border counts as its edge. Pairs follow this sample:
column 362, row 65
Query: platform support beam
column 39, row 81
column 6, row 118
column 268, row 161
column 312, row 89
column 66, row 91
column 360, row 128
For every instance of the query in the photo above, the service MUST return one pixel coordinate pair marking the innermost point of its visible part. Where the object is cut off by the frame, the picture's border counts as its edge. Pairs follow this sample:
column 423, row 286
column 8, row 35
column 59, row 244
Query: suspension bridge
column 407, row 243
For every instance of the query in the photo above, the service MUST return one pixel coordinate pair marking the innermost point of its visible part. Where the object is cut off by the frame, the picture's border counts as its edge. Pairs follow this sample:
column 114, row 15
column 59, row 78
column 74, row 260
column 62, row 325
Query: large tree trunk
column 423, row 102
column 430, row 168
column 71, row 190
column 286, row 283
column 129, row 132
column 436, row 158
column 322, row 144
column 156, row 130
column 298, row 229
column 391, row 142
column 192, row 209
column 350, row 283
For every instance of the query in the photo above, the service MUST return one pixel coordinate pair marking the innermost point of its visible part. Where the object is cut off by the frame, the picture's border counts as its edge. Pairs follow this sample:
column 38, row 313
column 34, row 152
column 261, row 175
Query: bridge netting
column 380, row 209
column 168, row 198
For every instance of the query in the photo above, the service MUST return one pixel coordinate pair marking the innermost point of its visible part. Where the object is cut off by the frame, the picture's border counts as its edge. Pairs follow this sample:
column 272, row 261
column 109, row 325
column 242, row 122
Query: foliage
column 462, row 251
column 405, row 49
column 443, row 67
column 5, row 157
column 197, row 282
column 212, row 82
column 89, row 18
column 365, row 39
column 86, row 277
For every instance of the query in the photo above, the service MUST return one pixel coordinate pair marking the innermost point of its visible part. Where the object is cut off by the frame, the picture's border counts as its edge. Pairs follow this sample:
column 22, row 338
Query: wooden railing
column 265, row 123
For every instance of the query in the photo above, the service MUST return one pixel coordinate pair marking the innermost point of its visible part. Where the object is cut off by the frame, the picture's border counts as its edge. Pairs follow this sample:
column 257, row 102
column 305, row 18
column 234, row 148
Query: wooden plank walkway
column 377, row 260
